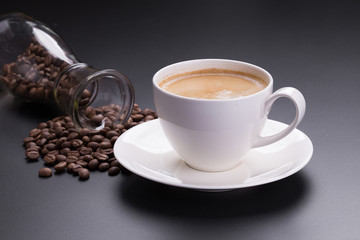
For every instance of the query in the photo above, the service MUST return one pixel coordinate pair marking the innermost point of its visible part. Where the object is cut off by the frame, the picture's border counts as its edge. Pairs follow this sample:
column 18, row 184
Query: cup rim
column 156, row 76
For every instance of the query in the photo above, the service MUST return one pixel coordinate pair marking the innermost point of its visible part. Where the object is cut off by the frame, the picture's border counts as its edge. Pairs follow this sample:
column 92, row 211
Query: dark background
column 311, row 45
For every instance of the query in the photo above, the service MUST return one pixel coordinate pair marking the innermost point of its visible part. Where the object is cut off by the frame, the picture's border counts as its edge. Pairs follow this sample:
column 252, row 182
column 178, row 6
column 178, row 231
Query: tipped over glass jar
column 37, row 65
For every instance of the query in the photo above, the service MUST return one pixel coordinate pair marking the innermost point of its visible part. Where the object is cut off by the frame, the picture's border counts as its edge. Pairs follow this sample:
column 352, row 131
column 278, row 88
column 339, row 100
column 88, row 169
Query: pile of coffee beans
column 33, row 74
column 64, row 148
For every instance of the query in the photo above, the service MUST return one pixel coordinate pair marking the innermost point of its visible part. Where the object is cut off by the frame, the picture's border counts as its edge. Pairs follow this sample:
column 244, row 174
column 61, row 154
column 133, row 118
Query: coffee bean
column 104, row 166
column 49, row 159
column 76, row 143
column 104, row 145
column 42, row 125
column 65, row 151
column 111, row 134
column 30, row 144
column 93, row 164
column 73, row 153
column 93, row 145
column 97, row 138
column 113, row 139
column 76, row 168
column 113, row 171
column 97, row 119
column 60, row 158
column 33, row 154
column 41, row 142
column 62, row 147
column 84, row 174
column 72, row 136
column 149, row 118
column 87, row 158
column 83, row 132
column 82, row 163
column 70, row 167
column 50, row 146
column 85, row 151
column 137, row 117
column 71, row 159
column 60, row 166
column 115, row 164
column 28, row 139
column 66, row 144
column 45, row 172
column 100, row 156
column 86, row 139
column 35, row 132
column 107, row 151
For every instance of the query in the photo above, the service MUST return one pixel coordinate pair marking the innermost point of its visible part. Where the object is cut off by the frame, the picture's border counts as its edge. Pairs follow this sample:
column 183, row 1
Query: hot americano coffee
column 213, row 83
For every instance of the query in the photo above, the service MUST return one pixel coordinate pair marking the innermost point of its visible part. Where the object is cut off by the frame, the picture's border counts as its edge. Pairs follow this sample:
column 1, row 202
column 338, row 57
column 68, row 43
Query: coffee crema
column 213, row 83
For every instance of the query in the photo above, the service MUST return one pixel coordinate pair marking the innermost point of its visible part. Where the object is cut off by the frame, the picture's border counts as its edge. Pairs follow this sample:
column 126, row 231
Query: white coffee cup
column 215, row 134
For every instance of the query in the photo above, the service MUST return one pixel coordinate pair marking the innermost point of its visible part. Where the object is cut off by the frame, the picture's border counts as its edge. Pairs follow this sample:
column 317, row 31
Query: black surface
column 313, row 46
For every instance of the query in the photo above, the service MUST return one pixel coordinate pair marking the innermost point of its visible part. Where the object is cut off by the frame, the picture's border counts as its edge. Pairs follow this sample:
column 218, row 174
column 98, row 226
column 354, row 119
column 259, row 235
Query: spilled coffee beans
column 63, row 148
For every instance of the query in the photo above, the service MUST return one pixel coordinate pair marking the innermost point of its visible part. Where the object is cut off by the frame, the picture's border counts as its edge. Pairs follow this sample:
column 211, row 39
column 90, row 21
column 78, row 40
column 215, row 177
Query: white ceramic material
column 145, row 150
column 215, row 134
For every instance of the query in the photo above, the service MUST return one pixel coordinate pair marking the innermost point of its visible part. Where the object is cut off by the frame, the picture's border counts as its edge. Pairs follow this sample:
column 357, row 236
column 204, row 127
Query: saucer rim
column 291, row 171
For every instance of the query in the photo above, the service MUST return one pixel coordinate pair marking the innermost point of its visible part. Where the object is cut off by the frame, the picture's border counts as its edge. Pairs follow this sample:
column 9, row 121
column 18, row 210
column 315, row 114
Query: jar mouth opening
column 103, row 99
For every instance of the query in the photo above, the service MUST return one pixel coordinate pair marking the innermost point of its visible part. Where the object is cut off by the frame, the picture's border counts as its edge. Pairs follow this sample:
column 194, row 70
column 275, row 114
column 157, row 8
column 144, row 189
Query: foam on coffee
column 213, row 83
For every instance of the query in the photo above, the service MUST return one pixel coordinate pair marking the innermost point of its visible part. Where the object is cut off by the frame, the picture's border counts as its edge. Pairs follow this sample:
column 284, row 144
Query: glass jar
column 37, row 65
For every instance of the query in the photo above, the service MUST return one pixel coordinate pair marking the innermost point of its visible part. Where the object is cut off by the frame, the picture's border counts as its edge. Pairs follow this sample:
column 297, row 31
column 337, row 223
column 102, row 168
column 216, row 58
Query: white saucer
column 144, row 150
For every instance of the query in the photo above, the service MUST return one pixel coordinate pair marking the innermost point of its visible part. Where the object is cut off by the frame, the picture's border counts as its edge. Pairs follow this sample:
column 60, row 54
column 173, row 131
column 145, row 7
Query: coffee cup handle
column 299, row 101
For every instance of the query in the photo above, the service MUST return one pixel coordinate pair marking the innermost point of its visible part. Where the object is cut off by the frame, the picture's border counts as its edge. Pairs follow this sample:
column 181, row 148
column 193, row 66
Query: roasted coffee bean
column 86, row 158
column 41, row 142
column 105, row 144
column 73, row 153
column 82, row 163
column 85, row 150
column 148, row 111
column 30, row 144
column 149, row 118
column 93, row 164
column 76, row 168
column 76, row 143
column 113, row 171
column 71, row 159
column 60, row 158
column 100, row 156
column 49, row 159
column 108, row 151
column 104, row 166
column 72, row 136
column 113, row 139
column 97, row 119
column 93, row 145
column 42, row 125
column 86, row 139
column 28, row 139
column 62, row 147
column 50, row 146
column 84, row 174
column 32, row 154
column 65, row 151
column 60, row 166
column 137, row 117
column 97, row 138
column 115, row 164
column 66, row 144
column 69, row 167
column 35, row 132
column 111, row 134
column 45, row 172
column 83, row 132
column 54, row 152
